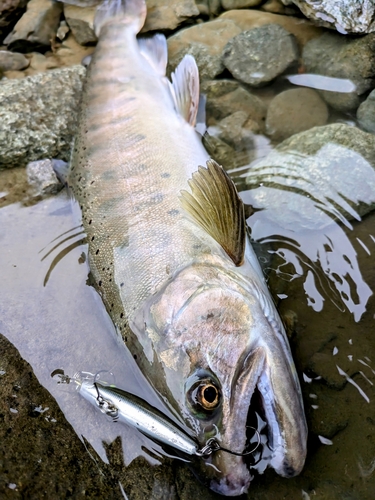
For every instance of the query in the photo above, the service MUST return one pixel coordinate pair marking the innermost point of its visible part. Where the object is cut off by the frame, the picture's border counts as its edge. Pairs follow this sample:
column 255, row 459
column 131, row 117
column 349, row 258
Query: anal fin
column 216, row 207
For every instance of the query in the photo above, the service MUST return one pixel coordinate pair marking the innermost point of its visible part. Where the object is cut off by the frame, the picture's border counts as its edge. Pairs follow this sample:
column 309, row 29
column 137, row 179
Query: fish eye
column 208, row 396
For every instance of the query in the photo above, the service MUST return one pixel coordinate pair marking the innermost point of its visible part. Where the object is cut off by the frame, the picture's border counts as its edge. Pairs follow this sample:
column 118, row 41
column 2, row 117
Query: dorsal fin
column 155, row 50
column 215, row 205
column 185, row 88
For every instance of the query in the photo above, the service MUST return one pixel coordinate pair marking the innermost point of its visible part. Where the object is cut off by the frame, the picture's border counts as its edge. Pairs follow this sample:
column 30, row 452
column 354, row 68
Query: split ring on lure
column 127, row 408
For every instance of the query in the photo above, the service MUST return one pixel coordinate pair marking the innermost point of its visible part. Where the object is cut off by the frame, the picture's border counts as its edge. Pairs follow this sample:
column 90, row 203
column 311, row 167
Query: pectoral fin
column 215, row 205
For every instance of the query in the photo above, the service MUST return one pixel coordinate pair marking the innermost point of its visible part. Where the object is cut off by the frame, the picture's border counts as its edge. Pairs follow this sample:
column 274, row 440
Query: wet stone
column 205, row 42
column 208, row 7
column 346, row 16
column 350, row 59
column 258, row 56
column 12, row 61
column 37, row 27
column 42, row 178
column 366, row 113
column 294, row 111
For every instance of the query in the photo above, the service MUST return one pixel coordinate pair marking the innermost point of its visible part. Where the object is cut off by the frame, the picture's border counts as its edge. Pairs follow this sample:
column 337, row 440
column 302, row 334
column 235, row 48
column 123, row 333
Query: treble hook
column 212, row 445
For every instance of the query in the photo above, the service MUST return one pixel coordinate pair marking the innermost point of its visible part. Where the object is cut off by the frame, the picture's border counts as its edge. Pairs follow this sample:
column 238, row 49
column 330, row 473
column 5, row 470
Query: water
column 317, row 248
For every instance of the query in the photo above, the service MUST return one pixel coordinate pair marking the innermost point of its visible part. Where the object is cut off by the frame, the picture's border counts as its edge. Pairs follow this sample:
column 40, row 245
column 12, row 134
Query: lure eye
column 208, row 396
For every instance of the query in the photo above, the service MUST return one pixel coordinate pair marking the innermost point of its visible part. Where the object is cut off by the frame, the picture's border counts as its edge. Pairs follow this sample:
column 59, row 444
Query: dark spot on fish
column 112, row 305
column 103, row 269
column 110, row 279
column 96, row 253
column 126, row 339
column 157, row 198
column 121, row 284
column 196, row 247
column 135, row 356
column 173, row 212
column 165, row 175
column 92, row 182
column 210, row 315
column 100, row 283
column 93, row 238
column 121, row 315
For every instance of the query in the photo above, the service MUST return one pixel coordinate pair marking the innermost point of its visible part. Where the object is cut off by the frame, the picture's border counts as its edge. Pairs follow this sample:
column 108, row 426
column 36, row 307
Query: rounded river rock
column 261, row 54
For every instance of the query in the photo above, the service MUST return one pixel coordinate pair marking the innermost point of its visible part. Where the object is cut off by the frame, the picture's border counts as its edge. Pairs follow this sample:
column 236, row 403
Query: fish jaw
column 210, row 324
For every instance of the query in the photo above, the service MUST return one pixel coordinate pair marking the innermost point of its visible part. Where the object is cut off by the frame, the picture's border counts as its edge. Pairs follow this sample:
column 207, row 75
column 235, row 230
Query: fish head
column 220, row 342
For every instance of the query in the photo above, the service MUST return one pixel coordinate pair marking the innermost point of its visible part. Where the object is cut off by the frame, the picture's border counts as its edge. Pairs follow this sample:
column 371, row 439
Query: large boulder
column 346, row 16
column 38, row 116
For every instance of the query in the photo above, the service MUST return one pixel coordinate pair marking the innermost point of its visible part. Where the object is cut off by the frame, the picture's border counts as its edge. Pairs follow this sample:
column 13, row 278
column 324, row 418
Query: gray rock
column 81, row 22
column 205, row 42
column 38, row 116
column 37, row 27
column 294, row 111
column 346, row 16
column 341, row 57
column 239, row 4
column 261, row 54
column 42, row 178
column 366, row 113
column 12, row 61
column 225, row 97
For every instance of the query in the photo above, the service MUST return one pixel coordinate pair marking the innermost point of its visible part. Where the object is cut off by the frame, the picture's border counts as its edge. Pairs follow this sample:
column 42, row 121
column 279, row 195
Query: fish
column 169, row 254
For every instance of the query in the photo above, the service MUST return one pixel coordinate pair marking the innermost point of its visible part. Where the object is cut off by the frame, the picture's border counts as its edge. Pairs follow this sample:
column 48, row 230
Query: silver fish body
column 179, row 279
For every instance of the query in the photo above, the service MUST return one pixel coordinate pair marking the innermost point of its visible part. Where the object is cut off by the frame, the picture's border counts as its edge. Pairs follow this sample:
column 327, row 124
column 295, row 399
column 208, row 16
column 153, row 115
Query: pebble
column 351, row 59
column 205, row 42
column 81, row 22
column 225, row 97
column 366, row 113
column 258, row 56
column 42, row 178
column 346, row 16
column 294, row 111
column 37, row 27
column 12, row 61
column 168, row 14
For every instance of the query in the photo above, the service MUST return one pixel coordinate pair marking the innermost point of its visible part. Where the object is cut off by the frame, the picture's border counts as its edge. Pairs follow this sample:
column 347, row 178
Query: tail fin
column 131, row 11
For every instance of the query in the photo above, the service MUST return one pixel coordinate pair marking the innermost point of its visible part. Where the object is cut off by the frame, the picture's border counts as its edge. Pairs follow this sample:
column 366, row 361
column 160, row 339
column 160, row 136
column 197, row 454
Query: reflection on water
column 301, row 197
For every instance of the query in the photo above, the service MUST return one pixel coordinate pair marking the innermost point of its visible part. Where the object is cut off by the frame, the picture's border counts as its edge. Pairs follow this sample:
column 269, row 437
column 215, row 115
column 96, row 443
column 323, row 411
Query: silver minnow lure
column 129, row 409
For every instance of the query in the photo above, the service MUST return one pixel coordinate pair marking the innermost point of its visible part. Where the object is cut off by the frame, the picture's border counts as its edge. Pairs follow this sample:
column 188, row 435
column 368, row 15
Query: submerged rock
column 12, row 61
column 346, row 16
column 366, row 113
column 294, row 111
column 38, row 116
column 205, row 42
column 259, row 55
column 341, row 57
column 37, row 27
